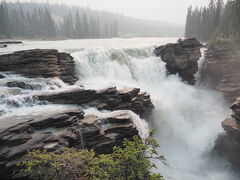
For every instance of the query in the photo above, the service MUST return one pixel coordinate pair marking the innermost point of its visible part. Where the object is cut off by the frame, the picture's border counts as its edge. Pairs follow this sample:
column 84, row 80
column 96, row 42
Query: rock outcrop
column 221, row 69
column 181, row 58
column 20, row 134
column 22, row 85
column 228, row 144
column 106, row 99
column 10, row 42
column 40, row 63
column 2, row 76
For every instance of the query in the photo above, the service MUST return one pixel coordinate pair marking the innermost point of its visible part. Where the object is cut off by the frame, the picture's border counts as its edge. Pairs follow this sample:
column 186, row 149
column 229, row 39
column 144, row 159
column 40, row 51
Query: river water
column 187, row 118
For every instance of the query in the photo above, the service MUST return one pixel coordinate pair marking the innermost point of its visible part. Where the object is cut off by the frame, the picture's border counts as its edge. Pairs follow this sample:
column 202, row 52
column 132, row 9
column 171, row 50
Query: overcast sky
column 161, row 10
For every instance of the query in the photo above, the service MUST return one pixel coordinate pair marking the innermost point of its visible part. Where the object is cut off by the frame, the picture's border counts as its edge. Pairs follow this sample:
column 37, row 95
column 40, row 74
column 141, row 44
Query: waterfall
column 187, row 118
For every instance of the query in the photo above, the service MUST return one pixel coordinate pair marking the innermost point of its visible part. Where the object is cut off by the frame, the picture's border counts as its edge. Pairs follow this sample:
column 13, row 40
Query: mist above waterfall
column 187, row 118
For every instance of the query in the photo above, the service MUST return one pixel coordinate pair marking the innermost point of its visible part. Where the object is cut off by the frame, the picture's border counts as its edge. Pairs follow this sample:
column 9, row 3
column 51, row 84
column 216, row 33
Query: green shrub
column 133, row 161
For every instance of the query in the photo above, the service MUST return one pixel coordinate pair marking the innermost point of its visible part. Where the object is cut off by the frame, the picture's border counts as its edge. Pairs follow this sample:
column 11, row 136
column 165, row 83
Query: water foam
column 187, row 118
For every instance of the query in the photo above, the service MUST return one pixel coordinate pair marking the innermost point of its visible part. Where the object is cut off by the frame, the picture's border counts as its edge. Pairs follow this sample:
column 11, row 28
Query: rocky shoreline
column 69, row 128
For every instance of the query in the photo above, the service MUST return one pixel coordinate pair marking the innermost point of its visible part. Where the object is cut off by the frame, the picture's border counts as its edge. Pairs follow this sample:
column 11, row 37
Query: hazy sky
column 162, row 10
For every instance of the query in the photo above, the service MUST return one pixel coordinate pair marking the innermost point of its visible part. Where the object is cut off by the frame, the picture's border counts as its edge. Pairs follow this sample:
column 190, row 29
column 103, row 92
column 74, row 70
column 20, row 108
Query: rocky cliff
column 40, row 63
column 181, row 58
column 228, row 143
column 221, row 69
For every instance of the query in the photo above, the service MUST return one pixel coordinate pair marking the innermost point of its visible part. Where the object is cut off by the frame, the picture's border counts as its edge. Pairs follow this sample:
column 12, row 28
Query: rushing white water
column 187, row 118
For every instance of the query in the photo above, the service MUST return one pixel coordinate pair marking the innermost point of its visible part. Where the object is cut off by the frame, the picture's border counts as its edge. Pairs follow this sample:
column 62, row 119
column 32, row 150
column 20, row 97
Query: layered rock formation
column 70, row 128
column 22, row 85
column 40, row 63
column 181, row 58
column 221, row 69
column 106, row 99
column 228, row 144
column 20, row 134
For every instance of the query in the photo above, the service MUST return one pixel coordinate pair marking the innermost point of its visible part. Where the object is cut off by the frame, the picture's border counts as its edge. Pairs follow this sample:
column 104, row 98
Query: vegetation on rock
column 132, row 161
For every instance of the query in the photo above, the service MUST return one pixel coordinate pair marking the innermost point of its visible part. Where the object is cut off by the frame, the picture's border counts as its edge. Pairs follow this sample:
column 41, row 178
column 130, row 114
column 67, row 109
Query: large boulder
column 221, row 69
column 106, row 99
column 40, row 63
column 181, row 58
column 228, row 143
column 20, row 134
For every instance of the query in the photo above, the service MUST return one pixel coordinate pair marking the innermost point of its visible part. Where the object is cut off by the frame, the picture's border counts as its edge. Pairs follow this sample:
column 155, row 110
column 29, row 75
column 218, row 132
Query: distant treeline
column 31, row 19
column 215, row 20
column 19, row 20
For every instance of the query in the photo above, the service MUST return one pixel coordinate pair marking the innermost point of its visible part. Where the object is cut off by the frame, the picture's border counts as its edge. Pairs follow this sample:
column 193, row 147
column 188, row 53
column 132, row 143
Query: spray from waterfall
column 187, row 118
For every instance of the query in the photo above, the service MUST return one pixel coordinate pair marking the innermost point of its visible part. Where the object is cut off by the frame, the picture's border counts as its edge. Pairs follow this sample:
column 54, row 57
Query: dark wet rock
column 23, row 85
column 2, row 76
column 10, row 42
column 106, row 99
column 45, row 63
column 221, row 69
column 92, row 132
column 103, row 133
column 3, row 46
column 73, row 96
column 181, row 58
column 228, row 143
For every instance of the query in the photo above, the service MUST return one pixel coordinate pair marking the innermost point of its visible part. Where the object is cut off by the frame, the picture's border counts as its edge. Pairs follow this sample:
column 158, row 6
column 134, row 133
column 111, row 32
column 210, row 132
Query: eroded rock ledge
column 20, row 134
column 106, row 99
column 181, row 58
column 228, row 143
column 71, row 128
column 40, row 63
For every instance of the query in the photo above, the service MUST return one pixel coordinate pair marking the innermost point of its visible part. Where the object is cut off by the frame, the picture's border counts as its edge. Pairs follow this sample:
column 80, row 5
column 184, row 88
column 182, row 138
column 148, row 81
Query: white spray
column 187, row 118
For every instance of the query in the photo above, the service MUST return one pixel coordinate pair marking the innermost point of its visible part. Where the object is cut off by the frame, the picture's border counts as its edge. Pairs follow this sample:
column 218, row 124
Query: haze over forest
column 55, row 21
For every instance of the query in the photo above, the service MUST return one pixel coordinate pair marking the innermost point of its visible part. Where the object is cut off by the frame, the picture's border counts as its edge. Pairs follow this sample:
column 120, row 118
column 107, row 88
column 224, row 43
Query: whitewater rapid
column 187, row 118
